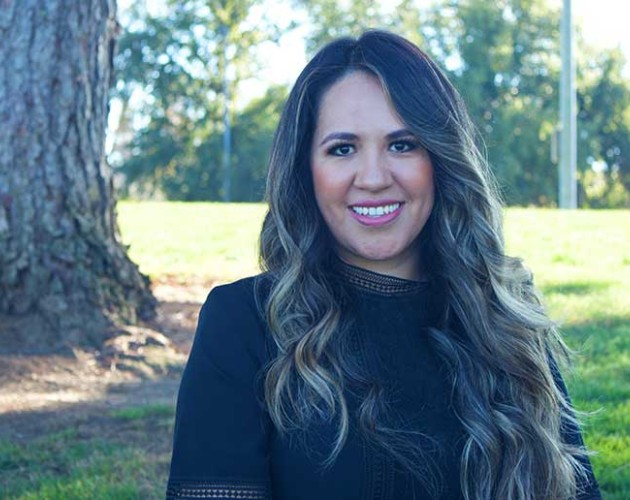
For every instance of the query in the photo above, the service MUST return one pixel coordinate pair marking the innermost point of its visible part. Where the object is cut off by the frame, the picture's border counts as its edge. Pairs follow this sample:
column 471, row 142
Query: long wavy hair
column 492, row 331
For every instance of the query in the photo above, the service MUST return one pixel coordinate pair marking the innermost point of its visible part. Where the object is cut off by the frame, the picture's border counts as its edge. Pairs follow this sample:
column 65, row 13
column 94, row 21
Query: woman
column 391, row 350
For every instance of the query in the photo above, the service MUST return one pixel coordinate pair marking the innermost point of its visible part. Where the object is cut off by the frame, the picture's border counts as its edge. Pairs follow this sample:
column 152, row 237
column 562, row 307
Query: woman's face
column 373, row 181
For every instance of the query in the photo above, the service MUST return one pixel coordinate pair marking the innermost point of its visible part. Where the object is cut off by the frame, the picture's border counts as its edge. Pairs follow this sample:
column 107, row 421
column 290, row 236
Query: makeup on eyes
column 334, row 149
column 410, row 143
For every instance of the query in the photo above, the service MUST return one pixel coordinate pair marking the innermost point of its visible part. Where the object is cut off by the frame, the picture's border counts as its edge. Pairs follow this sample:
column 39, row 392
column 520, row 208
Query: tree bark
column 61, row 260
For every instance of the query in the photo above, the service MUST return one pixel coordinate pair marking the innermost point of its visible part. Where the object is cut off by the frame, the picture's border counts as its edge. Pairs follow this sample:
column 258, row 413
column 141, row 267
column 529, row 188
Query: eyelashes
column 398, row 146
column 341, row 149
column 404, row 145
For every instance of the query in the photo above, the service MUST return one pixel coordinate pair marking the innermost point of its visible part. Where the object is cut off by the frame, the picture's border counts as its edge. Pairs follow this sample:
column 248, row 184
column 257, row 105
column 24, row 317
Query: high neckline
column 381, row 284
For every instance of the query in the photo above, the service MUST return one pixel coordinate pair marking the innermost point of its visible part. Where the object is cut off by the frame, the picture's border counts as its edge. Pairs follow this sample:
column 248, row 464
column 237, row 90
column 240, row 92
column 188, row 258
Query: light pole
column 227, row 126
column 567, row 179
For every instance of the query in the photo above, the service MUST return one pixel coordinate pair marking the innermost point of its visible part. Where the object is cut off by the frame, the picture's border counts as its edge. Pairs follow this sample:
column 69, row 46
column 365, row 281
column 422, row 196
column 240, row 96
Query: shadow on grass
column 116, row 446
column 576, row 288
column 97, row 423
column 607, row 333
column 598, row 321
column 601, row 348
column 91, row 415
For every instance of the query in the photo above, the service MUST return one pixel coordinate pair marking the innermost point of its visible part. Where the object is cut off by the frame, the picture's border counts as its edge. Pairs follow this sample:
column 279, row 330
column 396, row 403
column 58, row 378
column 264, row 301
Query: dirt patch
column 139, row 365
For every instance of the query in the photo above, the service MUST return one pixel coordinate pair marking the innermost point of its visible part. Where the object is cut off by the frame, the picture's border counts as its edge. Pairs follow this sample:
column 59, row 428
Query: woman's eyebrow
column 348, row 136
column 344, row 136
column 399, row 134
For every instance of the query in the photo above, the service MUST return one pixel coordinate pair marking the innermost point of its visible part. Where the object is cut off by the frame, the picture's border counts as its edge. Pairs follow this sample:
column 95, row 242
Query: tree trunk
column 61, row 261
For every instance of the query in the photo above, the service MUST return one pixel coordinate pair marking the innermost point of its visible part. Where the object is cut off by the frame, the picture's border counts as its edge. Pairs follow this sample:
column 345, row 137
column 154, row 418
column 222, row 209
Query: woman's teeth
column 376, row 211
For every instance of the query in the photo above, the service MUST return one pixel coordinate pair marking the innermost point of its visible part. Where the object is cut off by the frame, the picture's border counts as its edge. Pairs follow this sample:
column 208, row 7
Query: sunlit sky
column 604, row 23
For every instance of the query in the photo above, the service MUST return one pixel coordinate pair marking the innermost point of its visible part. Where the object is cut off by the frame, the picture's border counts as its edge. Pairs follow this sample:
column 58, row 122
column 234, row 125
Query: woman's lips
column 376, row 213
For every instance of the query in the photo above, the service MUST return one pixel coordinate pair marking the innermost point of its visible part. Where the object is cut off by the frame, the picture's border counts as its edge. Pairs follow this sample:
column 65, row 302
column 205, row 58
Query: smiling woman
column 373, row 180
column 391, row 350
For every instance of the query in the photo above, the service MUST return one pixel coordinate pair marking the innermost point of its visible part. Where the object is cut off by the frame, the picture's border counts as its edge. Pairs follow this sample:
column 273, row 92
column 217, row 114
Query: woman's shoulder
column 251, row 290
column 231, row 321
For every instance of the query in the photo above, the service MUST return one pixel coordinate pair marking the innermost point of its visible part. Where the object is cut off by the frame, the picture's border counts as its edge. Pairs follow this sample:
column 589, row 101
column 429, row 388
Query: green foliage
column 604, row 189
column 172, row 72
column 252, row 136
column 504, row 59
column 331, row 19
column 604, row 129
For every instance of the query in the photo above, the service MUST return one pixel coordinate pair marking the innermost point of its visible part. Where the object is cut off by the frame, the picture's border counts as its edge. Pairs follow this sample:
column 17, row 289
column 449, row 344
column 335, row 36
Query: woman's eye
column 341, row 150
column 402, row 146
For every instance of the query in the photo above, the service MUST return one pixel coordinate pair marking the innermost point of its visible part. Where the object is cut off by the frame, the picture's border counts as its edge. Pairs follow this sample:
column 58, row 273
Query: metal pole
column 227, row 142
column 567, row 179
column 227, row 126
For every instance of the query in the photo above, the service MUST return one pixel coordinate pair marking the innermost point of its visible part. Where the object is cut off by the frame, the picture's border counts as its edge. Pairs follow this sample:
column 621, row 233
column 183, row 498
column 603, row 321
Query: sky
column 603, row 22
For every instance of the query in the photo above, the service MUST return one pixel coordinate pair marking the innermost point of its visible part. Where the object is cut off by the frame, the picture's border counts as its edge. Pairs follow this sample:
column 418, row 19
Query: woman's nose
column 373, row 172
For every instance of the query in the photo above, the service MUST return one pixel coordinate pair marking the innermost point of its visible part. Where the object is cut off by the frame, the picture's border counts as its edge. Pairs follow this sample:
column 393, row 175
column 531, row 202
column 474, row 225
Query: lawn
column 124, row 456
column 581, row 262
column 217, row 240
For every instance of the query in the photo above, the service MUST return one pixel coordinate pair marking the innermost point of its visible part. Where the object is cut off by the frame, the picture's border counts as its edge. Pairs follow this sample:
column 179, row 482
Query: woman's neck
column 405, row 269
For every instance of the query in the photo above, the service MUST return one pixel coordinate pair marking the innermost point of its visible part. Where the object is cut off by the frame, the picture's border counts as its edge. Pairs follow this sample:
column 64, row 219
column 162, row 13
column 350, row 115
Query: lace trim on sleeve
column 216, row 491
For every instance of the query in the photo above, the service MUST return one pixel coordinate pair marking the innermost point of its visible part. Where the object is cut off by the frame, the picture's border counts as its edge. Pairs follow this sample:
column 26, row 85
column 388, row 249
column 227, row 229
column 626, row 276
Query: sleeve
column 220, row 442
column 588, row 489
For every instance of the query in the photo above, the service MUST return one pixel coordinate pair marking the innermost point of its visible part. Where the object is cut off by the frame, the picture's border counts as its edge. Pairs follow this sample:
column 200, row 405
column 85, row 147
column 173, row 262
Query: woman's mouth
column 377, row 211
column 376, row 214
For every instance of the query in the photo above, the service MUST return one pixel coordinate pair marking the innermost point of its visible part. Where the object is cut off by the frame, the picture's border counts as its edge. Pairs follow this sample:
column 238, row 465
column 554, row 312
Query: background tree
column 331, row 19
column 179, row 61
column 604, row 129
column 62, row 266
column 504, row 58
column 254, row 127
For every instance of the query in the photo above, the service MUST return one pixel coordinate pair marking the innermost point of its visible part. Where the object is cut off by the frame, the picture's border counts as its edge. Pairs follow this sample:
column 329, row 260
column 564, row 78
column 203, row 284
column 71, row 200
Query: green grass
column 114, row 459
column 581, row 262
column 142, row 412
column 192, row 239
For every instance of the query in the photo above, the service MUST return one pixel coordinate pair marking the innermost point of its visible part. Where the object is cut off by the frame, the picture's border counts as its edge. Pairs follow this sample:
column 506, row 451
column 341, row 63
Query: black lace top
column 226, row 447
column 367, row 281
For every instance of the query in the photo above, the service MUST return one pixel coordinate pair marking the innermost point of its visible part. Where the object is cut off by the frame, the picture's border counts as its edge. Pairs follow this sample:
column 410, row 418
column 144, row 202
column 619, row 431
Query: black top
column 226, row 447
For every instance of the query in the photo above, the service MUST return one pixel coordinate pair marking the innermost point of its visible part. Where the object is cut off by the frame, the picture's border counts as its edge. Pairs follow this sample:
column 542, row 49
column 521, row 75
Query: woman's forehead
column 356, row 102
